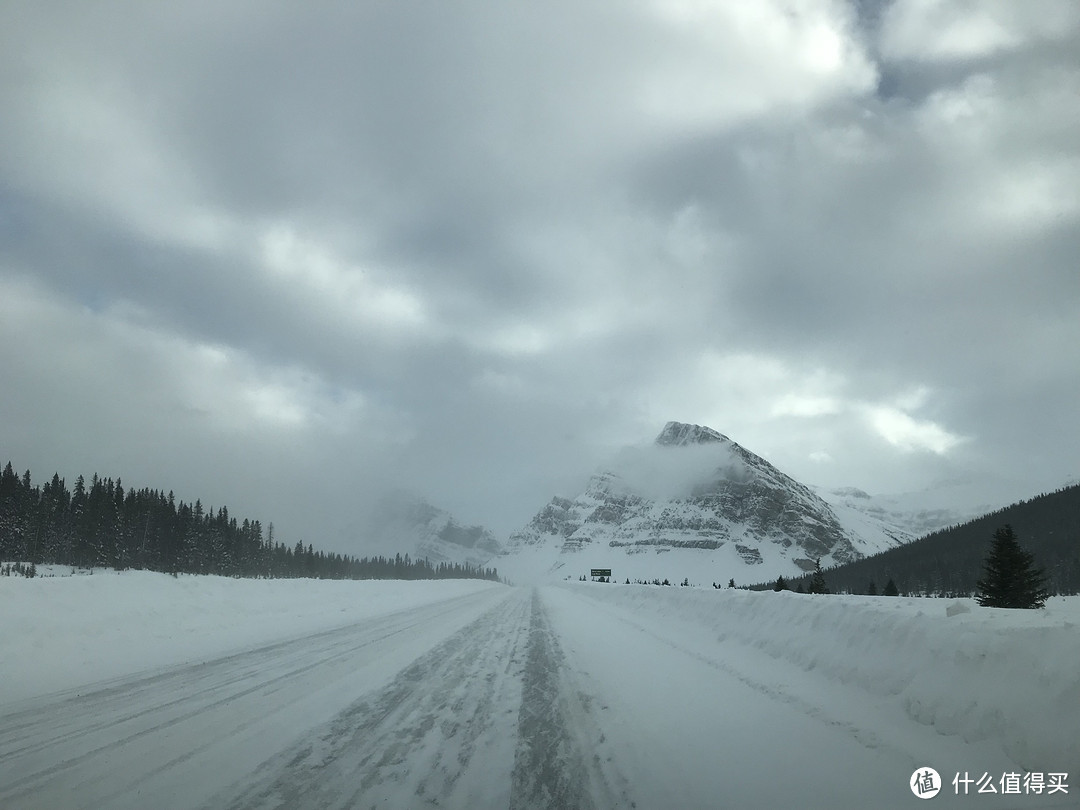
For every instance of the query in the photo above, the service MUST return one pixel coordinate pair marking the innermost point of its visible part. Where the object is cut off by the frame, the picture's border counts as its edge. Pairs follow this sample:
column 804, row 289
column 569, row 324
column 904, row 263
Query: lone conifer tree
column 1010, row 579
column 781, row 584
column 817, row 580
column 890, row 588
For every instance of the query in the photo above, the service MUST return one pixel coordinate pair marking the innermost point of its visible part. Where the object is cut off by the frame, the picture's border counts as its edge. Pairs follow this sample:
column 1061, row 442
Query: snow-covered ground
column 136, row 690
column 59, row 631
column 976, row 690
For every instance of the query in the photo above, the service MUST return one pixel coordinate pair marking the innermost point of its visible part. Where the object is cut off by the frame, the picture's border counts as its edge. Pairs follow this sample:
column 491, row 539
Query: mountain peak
column 709, row 504
column 680, row 434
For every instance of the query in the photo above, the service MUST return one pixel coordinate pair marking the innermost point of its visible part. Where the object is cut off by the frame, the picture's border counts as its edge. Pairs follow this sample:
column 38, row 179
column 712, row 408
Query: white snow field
column 139, row 690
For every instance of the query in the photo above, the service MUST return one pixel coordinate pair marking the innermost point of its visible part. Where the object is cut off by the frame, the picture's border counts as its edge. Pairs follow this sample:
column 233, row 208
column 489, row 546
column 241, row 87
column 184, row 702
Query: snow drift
column 1005, row 676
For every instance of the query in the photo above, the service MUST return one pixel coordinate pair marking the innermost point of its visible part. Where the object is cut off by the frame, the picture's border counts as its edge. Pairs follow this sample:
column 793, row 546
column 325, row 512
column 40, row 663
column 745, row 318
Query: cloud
column 939, row 30
column 902, row 430
column 310, row 268
column 666, row 473
column 474, row 250
column 744, row 60
column 99, row 390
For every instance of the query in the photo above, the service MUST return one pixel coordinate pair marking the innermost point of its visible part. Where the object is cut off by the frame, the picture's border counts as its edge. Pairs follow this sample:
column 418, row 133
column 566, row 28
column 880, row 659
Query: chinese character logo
column 925, row 783
column 1010, row 782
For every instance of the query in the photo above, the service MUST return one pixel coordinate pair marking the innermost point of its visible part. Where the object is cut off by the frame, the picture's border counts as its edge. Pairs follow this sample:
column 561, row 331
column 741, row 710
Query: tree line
column 102, row 524
column 950, row 562
column 1011, row 578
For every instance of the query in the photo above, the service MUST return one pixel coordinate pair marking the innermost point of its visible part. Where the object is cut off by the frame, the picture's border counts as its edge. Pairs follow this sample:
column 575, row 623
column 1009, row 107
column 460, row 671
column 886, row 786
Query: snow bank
column 1011, row 676
column 67, row 631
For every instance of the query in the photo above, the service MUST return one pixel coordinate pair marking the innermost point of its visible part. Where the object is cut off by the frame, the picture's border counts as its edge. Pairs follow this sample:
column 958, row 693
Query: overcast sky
column 278, row 255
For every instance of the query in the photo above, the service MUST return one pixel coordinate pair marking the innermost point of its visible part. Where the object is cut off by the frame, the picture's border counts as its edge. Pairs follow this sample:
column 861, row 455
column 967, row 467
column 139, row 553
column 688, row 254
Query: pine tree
column 871, row 589
column 781, row 584
column 891, row 589
column 1011, row 579
column 817, row 581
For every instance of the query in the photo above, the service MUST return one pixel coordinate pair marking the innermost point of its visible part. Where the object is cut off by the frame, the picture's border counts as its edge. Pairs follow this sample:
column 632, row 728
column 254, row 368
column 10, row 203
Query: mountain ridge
column 698, row 495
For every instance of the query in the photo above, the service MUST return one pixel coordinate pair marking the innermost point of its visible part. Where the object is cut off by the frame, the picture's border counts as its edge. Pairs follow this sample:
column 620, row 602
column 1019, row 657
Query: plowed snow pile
column 1012, row 676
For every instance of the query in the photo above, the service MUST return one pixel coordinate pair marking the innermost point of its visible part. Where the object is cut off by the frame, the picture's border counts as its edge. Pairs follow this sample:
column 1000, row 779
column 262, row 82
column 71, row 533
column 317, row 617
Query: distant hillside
column 951, row 561
column 404, row 523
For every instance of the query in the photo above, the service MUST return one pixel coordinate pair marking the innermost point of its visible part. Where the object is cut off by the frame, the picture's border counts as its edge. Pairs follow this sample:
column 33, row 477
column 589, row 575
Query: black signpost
column 601, row 572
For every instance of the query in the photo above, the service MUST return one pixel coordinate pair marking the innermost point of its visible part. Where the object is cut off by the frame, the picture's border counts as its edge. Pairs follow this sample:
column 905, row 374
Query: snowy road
column 514, row 698
column 181, row 737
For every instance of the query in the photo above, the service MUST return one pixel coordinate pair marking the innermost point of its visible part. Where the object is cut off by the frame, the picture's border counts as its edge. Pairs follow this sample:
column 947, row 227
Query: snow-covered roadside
column 63, row 632
column 1007, row 676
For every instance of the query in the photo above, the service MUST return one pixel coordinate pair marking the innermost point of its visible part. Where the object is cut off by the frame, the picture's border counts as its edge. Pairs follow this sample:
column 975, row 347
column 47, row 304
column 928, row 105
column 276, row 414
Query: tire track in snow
column 554, row 768
column 236, row 686
column 88, row 711
column 61, row 751
column 432, row 737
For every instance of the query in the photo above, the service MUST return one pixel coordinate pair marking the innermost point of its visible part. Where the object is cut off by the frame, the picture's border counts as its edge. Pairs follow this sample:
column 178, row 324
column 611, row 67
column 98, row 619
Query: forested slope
column 949, row 562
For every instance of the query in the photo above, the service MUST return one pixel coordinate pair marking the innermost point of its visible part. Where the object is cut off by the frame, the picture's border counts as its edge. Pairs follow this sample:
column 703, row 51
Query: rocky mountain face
column 410, row 525
column 695, row 495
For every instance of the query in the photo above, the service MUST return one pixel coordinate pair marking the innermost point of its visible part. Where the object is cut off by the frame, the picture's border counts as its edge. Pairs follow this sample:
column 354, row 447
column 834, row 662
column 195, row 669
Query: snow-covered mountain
column 407, row 524
column 693, row 504
column 946, row 503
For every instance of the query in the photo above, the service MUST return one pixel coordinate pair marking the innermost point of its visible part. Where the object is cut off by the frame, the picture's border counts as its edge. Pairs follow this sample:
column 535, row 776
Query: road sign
column 600, row 572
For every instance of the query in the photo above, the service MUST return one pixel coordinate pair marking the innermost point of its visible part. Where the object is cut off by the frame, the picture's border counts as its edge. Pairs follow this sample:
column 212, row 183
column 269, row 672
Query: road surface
column 504, row 698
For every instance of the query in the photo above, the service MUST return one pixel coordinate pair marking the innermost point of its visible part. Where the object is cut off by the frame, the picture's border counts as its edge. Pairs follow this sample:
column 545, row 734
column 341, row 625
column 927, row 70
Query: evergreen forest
column 950, row 562
column 101, row 524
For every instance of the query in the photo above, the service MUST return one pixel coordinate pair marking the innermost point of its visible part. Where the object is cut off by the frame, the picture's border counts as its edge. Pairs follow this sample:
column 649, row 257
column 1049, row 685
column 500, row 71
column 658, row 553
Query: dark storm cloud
column 474, row 247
